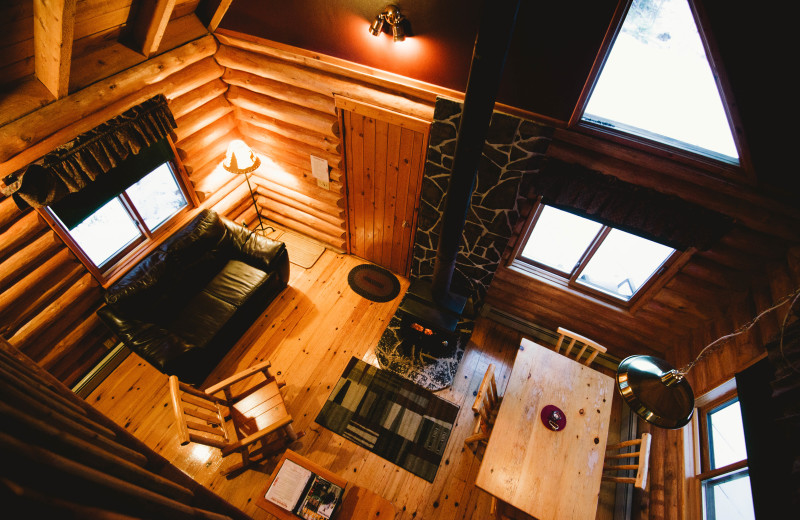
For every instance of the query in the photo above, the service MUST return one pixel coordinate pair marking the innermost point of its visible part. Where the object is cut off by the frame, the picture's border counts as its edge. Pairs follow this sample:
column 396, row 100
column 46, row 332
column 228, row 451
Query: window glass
column 591, row 256
column 106, row 232
column 623, row 263
column 726, row 435
column 657, row 83
column 157, row 196
column 728, row 497
column 559, row 239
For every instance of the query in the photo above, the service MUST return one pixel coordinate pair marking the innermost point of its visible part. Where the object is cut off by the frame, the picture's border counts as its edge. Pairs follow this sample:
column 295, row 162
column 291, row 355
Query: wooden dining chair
column 487, row 402
column 640, row 469
column 587, row 346
column 253, row 421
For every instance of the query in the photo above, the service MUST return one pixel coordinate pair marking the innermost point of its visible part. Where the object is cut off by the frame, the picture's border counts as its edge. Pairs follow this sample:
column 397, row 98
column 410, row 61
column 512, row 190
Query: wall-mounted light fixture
column 391, row 15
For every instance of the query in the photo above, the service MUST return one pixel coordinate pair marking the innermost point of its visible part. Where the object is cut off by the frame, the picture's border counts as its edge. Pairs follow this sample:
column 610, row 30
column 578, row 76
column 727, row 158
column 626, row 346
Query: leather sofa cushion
column 236, row 282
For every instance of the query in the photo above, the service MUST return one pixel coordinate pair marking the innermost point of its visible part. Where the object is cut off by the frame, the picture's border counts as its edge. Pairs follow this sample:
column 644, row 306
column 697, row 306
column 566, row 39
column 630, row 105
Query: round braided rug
column 373, row 283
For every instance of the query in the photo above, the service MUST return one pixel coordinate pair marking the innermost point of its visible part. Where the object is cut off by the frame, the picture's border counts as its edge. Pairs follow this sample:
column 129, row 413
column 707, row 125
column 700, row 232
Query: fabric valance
column 74, row 165
column 663, row 218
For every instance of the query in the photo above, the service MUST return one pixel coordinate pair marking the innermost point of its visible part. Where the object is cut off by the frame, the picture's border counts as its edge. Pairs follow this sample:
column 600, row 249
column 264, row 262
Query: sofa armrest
column 259, row 251
column 155, row 344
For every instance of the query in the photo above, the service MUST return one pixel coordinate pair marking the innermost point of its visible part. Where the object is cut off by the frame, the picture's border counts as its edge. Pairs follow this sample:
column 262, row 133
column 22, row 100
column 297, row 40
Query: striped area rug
column 392, row 417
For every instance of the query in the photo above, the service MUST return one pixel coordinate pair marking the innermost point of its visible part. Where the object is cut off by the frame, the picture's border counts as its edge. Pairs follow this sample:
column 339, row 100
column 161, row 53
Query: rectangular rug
column 303, row 251
column 392, row 417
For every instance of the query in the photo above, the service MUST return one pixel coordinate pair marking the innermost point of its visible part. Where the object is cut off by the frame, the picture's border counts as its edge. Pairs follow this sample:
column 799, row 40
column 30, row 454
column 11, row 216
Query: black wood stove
column 430, row 312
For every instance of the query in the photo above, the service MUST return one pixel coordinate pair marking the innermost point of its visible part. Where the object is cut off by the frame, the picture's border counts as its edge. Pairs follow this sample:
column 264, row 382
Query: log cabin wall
column 284, row 107
column 709, row 293
column 47, row 298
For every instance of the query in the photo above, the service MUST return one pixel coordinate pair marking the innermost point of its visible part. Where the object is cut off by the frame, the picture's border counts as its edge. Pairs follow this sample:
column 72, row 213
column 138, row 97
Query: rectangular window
column 725, row 479
column 591, row 257
column 123, row 213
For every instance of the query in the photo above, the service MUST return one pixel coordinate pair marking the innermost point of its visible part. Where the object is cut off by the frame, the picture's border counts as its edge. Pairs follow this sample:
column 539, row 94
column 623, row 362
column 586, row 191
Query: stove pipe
column 488, row 59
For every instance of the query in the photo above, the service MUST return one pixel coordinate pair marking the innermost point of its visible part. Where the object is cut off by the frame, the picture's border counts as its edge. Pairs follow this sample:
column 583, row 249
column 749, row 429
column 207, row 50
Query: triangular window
column 657, row 83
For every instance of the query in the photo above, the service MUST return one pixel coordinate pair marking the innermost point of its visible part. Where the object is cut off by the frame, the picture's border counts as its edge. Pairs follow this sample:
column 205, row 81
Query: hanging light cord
column 741, row 330
column 783, row 328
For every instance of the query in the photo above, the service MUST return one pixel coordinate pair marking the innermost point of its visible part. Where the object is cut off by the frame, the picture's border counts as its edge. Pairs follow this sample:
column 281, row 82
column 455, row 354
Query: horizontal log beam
column 26, row 259
column 209, row 136
column 9, row 212
column 36, row 282
column 291, row 113
column 296, row 133
column 304, row 73
column 28, row 138
column 269, row 207
column 23, row 231
column 186, row 103
column 37, row 335
column 280, row 90
column 202, row 117
column 300, row 197
column 274, row 171
column 336, row 242
column 278, row 143
column 336, row 219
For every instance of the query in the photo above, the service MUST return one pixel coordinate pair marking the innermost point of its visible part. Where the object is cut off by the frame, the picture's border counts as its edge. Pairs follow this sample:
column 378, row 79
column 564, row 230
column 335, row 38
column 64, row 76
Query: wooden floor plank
column 309, row 333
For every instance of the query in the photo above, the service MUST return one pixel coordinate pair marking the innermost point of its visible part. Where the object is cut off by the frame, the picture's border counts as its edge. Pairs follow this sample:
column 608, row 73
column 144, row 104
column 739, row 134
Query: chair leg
column 231, row 470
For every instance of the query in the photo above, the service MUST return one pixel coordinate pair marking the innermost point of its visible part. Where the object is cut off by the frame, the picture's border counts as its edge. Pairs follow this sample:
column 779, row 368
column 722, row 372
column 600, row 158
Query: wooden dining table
column 549, row 474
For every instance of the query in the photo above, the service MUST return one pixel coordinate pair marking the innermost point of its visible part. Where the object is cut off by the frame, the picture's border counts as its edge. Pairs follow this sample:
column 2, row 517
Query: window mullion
column 589, row 253
column 129, row 206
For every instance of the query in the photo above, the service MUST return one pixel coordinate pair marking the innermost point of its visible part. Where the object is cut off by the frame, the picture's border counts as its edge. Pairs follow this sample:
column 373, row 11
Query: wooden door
column 384, row 158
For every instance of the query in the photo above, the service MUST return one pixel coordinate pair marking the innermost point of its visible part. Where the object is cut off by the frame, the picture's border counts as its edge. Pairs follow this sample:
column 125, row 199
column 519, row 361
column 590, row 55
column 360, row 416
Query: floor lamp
column 241, row 159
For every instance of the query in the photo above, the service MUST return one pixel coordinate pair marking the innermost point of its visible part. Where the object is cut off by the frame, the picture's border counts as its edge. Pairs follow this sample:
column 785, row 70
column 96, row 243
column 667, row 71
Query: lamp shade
column 654, row 392
column 240, row 158
column 377, row 26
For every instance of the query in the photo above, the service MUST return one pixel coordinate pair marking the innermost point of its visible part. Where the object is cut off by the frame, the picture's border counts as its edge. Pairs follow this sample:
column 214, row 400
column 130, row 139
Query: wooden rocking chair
column 257, row 416
column 487, row 402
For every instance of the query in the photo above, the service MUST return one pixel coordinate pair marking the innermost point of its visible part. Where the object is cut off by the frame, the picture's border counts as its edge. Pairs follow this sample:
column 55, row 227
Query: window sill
column 129, row 261
column 547, row 278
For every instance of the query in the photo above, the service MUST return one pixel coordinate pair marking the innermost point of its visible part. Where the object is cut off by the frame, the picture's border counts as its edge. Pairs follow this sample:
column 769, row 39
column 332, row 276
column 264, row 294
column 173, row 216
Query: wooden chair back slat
column 588, row 348
column 487, row 401
column 640, row 468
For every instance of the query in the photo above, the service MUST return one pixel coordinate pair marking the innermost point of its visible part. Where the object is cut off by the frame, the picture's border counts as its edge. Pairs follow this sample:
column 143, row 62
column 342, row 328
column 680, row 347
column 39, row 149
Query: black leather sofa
column 186, row 304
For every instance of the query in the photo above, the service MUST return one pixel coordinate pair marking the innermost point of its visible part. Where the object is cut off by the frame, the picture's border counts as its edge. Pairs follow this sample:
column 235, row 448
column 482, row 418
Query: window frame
column 116, row 266
column 550, row 274
column 681, row 154
column 697, row 462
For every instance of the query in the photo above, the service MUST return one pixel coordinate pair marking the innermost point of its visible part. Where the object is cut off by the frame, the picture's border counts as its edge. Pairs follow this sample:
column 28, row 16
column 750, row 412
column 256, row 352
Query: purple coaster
column 553, row 418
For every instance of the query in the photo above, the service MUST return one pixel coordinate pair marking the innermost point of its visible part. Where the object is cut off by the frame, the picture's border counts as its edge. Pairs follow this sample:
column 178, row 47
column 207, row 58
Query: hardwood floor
column 309, row 333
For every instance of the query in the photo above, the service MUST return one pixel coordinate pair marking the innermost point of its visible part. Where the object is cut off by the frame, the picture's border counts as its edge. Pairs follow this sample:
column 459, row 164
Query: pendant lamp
column 659, row 393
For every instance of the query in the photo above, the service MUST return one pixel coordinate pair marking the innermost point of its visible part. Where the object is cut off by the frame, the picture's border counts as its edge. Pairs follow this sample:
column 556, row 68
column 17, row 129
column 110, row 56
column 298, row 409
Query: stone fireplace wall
column 513, row 152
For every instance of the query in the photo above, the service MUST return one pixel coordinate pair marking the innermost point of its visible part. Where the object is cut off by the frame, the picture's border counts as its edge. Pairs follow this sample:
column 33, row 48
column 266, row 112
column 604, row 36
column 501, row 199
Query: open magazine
column 303, row 492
